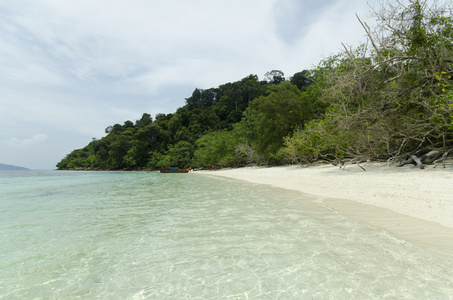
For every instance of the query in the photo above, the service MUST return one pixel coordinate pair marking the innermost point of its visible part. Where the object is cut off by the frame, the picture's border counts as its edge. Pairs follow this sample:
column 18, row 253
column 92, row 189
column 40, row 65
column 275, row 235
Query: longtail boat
column 174, row 170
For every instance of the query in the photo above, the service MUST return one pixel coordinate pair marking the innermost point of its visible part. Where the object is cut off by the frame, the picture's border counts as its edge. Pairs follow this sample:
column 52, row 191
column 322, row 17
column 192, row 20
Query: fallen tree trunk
column 430, row 157
column 426, row 159
column 418, row 161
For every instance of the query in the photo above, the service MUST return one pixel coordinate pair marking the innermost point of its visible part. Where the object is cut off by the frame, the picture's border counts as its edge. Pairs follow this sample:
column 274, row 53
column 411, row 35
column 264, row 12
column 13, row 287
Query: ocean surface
column 146, row 235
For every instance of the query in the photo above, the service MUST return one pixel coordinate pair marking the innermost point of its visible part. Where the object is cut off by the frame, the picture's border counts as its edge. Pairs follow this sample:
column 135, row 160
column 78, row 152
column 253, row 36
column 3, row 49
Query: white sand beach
column 412, row 202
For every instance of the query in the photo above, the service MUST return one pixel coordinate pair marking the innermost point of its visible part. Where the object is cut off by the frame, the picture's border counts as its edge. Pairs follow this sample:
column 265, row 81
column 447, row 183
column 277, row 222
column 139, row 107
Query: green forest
column 385, row 100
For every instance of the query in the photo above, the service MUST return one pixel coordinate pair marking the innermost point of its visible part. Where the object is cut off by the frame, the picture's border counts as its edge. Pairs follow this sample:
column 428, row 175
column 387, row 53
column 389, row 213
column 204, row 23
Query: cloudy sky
column 69, row 69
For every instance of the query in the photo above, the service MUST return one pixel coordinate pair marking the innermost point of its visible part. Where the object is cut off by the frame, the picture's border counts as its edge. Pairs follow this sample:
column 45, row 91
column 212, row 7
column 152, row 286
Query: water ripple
column 116, row 235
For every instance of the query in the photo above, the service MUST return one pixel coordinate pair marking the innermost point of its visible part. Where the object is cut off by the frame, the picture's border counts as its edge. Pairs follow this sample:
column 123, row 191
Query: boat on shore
column 175, row 170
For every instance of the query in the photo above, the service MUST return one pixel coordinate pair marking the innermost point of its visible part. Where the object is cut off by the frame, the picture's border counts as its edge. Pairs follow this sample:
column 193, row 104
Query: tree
column 302, row 79
column 118, row 149
column 216, row 149
column 145, row 120
column 283, row 110
column 179, row 155
column 138, row 154
column 195, row 100
column 275, row 77
column 391, row 101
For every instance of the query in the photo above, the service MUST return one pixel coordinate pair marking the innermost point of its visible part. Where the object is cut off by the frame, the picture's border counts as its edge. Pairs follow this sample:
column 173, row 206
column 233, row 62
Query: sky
column 69, row 69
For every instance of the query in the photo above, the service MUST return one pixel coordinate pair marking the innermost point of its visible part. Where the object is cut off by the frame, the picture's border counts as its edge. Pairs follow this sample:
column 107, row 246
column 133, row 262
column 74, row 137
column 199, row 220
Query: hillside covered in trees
column 386, row 100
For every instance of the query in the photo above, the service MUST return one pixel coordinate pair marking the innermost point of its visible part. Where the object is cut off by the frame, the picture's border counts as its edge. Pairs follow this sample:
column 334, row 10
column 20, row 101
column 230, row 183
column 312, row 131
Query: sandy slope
column 409, row 201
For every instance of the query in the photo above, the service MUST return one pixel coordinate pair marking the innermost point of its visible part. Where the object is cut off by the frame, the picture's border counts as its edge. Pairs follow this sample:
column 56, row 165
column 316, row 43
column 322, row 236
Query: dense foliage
column 382, row 102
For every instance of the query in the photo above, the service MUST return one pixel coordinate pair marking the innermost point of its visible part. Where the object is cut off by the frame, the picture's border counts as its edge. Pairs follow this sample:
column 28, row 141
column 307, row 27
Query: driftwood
column 444, row 158
column 430, row 158
column 426, row 159
column 352, row 162
column 418, row 161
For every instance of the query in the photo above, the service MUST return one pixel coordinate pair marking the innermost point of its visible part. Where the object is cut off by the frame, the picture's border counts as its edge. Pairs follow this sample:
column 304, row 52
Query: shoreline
column 414, row 203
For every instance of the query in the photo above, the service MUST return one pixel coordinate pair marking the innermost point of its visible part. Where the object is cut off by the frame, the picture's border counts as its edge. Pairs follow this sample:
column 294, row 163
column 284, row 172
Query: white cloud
column 72, row 68
column 293, row 18
column 28, row 142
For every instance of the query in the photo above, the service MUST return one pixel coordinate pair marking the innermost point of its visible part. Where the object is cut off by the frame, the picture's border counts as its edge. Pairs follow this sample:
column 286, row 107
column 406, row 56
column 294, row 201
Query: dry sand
column 416, row 204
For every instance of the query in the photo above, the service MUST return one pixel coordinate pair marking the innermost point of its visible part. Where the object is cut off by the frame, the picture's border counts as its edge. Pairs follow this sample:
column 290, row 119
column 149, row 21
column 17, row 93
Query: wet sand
column 408, row 201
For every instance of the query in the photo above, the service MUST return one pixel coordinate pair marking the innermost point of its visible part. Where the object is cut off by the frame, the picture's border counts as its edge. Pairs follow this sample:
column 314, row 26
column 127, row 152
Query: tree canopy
column 385, row 100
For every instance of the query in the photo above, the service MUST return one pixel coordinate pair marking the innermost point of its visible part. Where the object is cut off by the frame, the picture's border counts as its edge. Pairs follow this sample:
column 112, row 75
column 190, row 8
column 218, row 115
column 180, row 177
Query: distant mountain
column 11, row 167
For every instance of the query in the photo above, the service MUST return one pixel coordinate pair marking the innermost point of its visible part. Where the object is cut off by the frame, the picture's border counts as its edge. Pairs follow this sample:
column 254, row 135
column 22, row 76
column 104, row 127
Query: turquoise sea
column 146, row 235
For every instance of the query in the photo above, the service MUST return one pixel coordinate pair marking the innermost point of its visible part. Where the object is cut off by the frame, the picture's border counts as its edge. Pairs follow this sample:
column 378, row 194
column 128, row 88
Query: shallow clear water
column 145, row 235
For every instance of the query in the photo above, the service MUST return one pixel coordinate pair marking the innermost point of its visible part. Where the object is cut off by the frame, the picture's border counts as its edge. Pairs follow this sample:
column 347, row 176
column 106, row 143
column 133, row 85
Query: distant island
column 11, row 167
